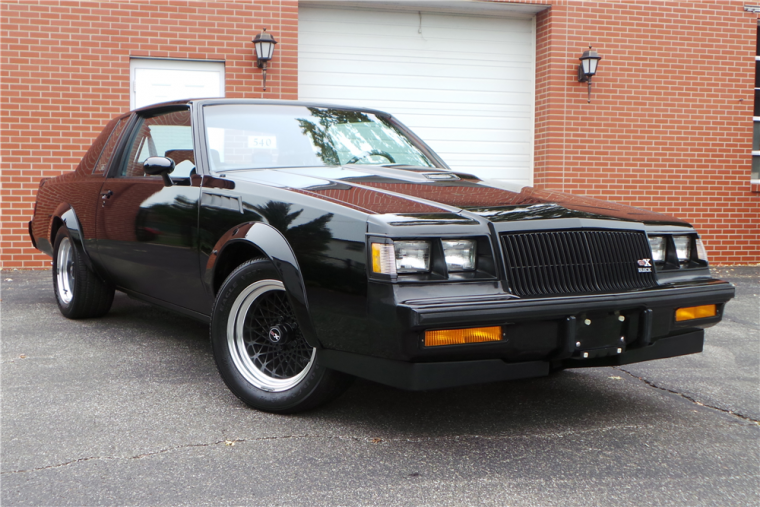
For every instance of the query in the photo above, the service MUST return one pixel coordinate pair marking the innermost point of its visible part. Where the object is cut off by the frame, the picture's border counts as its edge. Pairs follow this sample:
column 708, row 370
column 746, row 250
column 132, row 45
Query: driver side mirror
column 163, row 166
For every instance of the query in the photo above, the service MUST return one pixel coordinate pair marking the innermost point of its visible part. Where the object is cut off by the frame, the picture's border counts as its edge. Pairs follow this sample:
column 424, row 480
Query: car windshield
column 247, row 136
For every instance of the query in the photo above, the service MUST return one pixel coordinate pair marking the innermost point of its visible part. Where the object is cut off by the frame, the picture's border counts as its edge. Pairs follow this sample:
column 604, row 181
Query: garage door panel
column 407, row 47
column 463, row 55
column 411, row 27
column 495, row 124
column 417, row 83
column 430, row 71
column 465, row 84
column 445, row 109
column 488, row 148
column 428, row 67
column 488, row 159
column 506, row 174
column 495, row 138
column 419, row 96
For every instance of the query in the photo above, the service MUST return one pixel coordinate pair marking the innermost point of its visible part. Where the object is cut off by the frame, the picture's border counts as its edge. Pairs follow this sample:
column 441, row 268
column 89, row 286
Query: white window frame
column 755, row 124
column 136, row 63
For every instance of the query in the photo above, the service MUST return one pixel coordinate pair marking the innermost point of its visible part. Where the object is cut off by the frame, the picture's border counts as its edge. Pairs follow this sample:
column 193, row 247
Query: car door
column 147, row 232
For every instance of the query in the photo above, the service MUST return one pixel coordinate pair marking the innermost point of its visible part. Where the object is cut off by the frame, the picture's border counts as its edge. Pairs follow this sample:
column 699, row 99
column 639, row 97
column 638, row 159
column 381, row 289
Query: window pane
column 756, row 137
column 167, row 135
column 757, row 73
column 105, row 157
column 92, row 156
column 756, row 168
column 757, row 102
column 257, row 136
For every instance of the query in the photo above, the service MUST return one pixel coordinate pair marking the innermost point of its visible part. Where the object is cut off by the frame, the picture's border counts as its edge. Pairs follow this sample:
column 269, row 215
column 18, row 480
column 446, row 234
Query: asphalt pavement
column 129, row 410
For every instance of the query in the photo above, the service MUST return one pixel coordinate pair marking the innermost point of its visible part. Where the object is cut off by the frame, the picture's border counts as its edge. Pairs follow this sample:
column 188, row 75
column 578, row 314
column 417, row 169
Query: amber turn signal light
column 459, row 336
column 696, row 312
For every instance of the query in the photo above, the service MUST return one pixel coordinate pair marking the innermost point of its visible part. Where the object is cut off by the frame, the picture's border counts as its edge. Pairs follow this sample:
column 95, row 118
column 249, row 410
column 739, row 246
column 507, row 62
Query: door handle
column 105, row 195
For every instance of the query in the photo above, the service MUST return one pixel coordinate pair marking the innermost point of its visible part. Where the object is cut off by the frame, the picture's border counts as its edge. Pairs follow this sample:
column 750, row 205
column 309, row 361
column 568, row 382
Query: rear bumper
column 438, row 375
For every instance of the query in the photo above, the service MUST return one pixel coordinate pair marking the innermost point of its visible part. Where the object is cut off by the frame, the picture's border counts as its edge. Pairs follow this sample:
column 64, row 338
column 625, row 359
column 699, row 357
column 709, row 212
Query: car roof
column 269, row 102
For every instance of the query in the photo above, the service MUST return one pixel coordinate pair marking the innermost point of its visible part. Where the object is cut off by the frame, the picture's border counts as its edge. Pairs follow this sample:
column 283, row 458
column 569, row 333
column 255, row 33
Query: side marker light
column 696, row 312
column 460, row 336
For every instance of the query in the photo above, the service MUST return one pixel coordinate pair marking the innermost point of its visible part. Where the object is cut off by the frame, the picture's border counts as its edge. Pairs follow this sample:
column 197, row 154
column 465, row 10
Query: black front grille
column 576, row 262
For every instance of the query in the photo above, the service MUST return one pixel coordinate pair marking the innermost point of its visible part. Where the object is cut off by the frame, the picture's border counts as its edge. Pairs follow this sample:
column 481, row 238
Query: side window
column 90, row 159
column 164, row 135
column 107, row 153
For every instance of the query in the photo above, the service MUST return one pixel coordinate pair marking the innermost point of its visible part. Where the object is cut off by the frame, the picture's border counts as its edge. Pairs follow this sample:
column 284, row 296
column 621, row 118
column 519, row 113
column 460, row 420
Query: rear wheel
column 259, row 348
column 79, row 291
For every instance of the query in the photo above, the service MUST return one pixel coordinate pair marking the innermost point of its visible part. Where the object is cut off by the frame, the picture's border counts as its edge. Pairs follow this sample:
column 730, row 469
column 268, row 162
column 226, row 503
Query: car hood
column 417, row 190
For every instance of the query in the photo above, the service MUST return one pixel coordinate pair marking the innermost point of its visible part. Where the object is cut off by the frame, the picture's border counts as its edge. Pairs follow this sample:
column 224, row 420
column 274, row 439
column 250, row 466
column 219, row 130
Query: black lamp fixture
column 587, row 68
column 264, row 44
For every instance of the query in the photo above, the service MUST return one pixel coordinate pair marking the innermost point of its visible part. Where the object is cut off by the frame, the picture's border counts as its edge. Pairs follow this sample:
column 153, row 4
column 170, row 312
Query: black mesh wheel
column 264, row 339
column 260, row 349
column 285, row 355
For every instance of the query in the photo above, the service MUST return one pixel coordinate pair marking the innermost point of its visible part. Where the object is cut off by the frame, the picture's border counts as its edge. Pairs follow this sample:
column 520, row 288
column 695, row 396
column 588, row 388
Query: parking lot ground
column 129, row 409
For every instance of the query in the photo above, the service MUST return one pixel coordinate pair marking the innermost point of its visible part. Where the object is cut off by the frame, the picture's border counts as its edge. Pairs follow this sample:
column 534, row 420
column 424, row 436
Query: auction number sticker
column 262, row 142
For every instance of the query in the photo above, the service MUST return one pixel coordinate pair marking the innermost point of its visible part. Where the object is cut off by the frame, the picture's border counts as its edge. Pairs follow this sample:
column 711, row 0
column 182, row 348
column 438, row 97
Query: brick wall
column 669, row 126
column 65, row 72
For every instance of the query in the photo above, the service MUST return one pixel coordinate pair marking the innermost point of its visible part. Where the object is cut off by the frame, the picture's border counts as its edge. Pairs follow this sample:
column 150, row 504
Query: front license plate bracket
column 601, row 334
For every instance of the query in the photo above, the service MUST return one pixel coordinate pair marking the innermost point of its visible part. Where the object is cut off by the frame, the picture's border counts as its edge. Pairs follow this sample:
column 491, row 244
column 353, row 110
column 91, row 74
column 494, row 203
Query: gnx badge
column 645, row 265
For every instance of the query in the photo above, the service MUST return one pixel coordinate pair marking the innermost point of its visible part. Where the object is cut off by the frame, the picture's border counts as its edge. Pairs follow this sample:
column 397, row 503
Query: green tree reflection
column 319, row 132
column 305, row 239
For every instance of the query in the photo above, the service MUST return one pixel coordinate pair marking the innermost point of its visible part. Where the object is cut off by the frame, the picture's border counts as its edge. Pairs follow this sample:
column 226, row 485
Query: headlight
column 658, row 245
column 683, row 248
column 401, row 257
column 412, row 256
column 677, row 251
column 416, row 260
column 459, row 254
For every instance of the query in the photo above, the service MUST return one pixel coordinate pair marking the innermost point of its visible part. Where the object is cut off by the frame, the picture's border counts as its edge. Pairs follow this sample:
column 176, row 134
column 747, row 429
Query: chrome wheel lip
column 237, row 347
column 64, row 275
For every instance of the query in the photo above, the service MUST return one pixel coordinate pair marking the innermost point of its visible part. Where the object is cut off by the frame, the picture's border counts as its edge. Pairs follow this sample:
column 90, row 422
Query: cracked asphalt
column 129, row 410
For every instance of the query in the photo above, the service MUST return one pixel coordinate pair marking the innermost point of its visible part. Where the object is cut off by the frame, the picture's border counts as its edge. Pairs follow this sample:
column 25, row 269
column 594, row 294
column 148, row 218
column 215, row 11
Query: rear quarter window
column 107, row 154
column 91, row 158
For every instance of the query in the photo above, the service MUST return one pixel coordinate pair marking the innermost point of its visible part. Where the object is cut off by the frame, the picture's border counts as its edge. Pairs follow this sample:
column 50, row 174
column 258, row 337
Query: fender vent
column 221, row 201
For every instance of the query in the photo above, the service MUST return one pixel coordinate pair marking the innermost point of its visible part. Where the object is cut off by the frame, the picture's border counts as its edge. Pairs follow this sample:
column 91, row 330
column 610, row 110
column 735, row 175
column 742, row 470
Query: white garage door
column 464, row 83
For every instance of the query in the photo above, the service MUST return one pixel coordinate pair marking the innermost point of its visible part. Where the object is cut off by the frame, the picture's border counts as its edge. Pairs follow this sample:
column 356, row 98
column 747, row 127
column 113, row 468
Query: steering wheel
column 366, row 154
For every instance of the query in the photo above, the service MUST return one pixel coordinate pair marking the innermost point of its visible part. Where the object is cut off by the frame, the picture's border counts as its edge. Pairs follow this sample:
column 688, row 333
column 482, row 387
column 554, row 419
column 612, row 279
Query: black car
column 325, row 242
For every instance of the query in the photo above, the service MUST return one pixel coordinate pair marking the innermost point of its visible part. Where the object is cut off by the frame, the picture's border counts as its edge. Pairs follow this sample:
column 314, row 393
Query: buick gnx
column 322, row 243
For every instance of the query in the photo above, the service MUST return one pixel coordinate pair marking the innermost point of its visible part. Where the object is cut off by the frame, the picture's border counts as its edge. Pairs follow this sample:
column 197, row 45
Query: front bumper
column 538, row 334
column 432, row 313
column 439, row 375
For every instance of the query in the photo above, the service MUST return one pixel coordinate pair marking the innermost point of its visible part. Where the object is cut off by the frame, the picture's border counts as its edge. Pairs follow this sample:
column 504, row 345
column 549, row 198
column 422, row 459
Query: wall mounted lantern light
column 264, row 44
column 587, row 68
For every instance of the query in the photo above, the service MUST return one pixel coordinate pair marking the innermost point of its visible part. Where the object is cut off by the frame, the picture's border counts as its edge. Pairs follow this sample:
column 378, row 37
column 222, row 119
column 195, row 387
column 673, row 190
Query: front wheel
column 259, row 348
